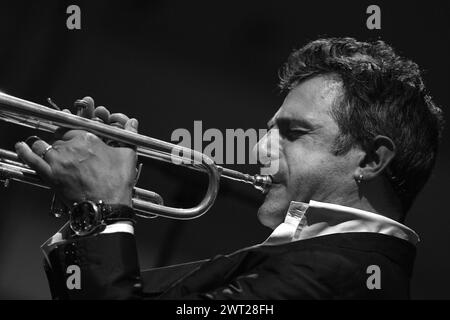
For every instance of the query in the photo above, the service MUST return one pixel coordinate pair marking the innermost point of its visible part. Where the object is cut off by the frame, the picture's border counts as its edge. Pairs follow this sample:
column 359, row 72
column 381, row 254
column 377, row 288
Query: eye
column 293, row 133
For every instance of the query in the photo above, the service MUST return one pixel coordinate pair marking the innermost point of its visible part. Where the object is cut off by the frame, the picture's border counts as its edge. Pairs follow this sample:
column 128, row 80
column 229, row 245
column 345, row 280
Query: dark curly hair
column 384, row 94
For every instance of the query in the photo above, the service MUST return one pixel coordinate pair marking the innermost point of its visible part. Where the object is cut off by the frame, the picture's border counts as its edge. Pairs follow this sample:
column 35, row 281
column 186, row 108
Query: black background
column 169, row 63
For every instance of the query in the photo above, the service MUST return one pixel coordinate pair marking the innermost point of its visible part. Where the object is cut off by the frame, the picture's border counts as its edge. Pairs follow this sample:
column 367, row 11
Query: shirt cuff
column 65, row 233
column 122, row 226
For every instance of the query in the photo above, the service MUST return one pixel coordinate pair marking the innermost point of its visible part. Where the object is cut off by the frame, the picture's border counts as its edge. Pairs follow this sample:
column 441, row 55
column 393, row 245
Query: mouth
column 274, row 182
column 274, row 178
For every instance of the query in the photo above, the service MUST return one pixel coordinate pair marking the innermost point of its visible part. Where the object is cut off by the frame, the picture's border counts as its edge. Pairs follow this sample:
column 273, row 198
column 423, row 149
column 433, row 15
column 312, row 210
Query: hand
column 80, row 166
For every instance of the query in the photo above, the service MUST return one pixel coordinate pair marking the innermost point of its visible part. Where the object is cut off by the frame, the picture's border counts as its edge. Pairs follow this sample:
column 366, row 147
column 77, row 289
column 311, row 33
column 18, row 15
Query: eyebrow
column 286, row 120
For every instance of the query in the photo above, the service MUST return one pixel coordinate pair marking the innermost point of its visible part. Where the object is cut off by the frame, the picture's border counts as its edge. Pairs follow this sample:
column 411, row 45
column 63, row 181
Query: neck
column 374, row 196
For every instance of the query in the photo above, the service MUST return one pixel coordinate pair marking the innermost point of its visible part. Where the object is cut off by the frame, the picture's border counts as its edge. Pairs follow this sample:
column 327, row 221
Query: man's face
column 307, row 167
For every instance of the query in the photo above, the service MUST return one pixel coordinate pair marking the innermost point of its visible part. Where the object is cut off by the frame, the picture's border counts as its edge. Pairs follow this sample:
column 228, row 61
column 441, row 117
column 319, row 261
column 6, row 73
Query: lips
column 276, row 178
column 272, row 169
column 273, row 185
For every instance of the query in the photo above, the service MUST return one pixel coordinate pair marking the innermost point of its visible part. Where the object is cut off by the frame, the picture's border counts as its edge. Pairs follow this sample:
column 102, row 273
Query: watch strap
column 117, row 212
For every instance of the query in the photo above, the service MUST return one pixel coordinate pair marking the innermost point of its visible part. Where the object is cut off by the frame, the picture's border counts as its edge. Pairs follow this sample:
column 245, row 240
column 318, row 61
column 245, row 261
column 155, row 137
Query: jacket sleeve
column 103, row 266
column 109, row 269
column 279, row 277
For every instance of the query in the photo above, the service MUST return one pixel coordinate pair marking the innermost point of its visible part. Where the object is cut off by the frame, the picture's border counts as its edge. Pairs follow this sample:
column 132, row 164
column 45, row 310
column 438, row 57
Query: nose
column 267, row 150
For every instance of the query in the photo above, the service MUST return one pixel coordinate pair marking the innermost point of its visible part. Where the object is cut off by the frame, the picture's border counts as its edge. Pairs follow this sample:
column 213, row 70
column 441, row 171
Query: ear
column 377, row 159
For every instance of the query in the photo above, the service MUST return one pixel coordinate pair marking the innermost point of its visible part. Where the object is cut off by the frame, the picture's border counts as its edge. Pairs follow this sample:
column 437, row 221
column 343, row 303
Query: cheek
column 305, row 169
column 299, row 161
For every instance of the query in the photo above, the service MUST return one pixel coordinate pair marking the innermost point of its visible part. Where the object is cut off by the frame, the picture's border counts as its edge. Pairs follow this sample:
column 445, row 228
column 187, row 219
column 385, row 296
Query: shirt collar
column 314, row 219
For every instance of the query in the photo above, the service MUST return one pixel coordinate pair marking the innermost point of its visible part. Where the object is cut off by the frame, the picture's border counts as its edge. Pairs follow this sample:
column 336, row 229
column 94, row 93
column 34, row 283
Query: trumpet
column 146, row 203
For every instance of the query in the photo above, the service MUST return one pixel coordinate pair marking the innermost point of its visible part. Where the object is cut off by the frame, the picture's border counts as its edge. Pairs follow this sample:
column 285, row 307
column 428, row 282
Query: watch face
column 84, row 218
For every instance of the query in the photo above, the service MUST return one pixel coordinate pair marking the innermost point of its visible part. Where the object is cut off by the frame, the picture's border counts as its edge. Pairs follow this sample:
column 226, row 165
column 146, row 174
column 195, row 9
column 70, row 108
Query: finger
column 118, row 119
column 132, row 125
column 32, row 139
column 102, row 114
column 85, row 107
column 33, row 160
column 61, row 130
column 129, row 124
column 44, row 150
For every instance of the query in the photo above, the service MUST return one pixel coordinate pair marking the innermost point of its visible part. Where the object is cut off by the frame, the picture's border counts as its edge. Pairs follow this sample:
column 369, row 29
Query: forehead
column 311, row 101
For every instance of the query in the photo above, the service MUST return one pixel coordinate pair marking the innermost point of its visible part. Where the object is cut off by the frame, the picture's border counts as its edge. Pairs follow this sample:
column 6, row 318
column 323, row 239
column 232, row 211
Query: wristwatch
column 88, row 217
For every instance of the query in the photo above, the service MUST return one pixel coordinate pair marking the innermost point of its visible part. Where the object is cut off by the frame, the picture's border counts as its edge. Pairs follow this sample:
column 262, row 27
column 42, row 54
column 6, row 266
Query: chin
column 273, row 211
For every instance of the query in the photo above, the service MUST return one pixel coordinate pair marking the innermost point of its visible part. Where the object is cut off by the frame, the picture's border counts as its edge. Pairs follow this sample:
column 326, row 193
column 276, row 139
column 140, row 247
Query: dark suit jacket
column 327, row 267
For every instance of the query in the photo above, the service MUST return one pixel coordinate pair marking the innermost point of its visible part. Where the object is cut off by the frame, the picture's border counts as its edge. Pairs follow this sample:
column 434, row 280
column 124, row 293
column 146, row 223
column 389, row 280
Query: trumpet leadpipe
column 12, row 161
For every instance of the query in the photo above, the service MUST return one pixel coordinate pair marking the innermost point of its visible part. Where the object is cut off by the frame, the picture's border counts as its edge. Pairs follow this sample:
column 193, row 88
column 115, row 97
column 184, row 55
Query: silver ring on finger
column 50, row 147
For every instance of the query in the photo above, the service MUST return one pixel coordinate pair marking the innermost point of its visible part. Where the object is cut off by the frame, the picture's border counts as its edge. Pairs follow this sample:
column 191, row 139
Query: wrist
column 118, row 197
column 111, row 199
column 89, row 217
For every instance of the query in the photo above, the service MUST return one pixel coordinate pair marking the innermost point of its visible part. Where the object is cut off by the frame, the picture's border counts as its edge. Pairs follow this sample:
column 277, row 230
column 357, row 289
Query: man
column 357, row 137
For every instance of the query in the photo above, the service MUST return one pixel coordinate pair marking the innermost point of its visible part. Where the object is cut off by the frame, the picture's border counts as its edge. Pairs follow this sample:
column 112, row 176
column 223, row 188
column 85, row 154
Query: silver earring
column 360, row 178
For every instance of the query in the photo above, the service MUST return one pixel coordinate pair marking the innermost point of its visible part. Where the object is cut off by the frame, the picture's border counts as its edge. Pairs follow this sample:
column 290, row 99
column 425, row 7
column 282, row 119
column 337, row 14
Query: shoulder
column 339, row 265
